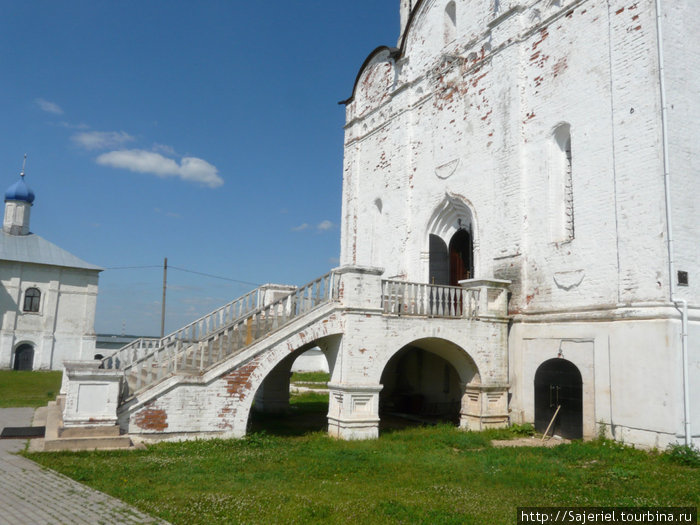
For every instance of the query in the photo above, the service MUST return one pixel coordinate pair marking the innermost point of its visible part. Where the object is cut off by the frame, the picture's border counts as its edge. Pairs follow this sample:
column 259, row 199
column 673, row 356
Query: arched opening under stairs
column 293, row 397
column 423, row 384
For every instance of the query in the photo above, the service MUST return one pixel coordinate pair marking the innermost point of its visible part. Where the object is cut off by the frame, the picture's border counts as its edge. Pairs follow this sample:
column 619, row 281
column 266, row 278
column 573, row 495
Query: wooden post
column 551, row 422
column 162, row 312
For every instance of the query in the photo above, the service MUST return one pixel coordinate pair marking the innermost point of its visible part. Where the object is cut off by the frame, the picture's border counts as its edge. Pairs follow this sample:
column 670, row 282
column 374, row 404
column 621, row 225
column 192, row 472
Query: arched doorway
column 449, row 265
column 558, row 384
column 24, row 357
column 461, row 257
column 439, row 269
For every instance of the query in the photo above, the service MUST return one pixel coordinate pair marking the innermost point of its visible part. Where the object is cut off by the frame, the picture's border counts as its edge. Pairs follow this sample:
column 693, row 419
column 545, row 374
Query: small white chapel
column 47, row 295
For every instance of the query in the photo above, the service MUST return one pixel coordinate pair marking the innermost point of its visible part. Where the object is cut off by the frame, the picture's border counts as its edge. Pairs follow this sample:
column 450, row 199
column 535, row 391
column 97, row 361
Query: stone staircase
column 216, row 336
column 205, row 378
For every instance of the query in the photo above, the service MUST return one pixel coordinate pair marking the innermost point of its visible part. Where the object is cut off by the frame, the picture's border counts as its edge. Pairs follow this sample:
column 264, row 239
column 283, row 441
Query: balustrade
column 431, row 300
column 182, row 350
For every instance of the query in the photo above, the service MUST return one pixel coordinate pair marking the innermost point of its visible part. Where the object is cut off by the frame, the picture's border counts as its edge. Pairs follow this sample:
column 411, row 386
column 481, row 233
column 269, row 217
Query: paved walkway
column 32, row 495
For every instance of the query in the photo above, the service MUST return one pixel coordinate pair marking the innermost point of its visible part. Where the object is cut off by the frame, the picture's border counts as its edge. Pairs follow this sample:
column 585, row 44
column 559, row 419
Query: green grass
column 28, row 389
column 310, row 377
column 435, row 475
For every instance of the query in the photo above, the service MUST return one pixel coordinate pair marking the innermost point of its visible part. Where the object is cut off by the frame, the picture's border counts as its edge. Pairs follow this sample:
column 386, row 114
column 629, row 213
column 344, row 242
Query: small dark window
column 31, row 300
column 682, row 278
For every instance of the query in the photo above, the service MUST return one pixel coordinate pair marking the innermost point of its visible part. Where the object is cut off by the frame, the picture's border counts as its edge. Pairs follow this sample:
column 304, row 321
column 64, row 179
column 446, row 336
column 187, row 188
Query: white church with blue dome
column 47, row 295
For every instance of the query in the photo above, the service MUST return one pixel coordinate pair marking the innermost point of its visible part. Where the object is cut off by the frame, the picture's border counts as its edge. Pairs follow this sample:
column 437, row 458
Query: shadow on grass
column 300, row 419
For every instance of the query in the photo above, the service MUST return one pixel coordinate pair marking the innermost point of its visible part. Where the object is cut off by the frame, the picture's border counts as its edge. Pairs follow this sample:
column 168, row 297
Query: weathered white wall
column 462, row 129
column 63, row 329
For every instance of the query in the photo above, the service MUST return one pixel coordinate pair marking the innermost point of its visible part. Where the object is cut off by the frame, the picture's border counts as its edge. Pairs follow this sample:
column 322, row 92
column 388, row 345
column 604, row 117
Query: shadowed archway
column 424, row 383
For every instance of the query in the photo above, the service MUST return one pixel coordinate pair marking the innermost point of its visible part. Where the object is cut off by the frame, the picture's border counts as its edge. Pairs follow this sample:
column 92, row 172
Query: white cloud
column 301, row 227
column 49, row 107
column 325, row 225
column 164, row 148
column 101, row 139
column 190, row 169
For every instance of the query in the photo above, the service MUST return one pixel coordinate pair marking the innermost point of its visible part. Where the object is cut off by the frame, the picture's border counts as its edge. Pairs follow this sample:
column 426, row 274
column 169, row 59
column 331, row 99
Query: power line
column 130, row 267
column 183, row 270
column 215, row 276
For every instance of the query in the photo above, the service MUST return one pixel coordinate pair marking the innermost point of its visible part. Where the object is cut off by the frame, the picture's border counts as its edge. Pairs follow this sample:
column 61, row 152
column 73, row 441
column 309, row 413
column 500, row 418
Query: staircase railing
column 421, row 299
column 175, row 354
column 140, row 348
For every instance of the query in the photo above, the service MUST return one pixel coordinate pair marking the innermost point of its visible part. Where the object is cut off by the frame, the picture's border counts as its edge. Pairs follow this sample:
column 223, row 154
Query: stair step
column 88, row 432
column 87, row 443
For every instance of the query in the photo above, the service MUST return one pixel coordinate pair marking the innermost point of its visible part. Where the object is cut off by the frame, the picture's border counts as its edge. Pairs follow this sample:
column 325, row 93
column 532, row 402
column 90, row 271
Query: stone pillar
column 92, row 395
column 484, row 406
column 360, row 287
column 353, row 411
column 493, row 296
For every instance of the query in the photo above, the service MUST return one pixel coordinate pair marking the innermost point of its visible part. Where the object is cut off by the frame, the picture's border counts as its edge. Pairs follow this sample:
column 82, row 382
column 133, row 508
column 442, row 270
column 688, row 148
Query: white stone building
column 47, row 295
column 519, row 243
column 552, row 143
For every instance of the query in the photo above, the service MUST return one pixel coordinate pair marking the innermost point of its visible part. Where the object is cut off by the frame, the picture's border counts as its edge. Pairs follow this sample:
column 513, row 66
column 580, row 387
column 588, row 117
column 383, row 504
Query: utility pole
column 162, row 313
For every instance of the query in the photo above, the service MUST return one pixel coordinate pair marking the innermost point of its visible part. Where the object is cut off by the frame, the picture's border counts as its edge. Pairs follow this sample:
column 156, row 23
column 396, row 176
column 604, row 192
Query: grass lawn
column 430, row 475
column 28, row 389
column 311, row 377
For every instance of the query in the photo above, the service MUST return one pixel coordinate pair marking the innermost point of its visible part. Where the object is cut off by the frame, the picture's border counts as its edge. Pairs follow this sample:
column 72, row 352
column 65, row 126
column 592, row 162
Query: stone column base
column 484, row 406
column 353, row 411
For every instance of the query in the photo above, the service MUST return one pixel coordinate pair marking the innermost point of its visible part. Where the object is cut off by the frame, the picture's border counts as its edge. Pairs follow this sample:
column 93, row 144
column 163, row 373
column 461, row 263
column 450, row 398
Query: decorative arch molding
column 453, row 212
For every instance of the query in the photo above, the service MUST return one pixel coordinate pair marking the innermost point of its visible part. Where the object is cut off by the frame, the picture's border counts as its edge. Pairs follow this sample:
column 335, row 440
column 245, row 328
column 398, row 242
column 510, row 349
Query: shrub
column 688, row 455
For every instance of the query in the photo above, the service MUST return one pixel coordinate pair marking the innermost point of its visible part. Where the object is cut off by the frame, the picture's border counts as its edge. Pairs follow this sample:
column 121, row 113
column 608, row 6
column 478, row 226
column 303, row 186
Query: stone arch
column 465, row 365
column 426, row 381
column 454, row 213
column 326, row 335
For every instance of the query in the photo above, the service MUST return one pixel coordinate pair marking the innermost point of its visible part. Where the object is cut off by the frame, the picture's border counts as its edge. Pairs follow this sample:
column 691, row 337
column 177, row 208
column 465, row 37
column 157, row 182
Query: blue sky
column 207, row 132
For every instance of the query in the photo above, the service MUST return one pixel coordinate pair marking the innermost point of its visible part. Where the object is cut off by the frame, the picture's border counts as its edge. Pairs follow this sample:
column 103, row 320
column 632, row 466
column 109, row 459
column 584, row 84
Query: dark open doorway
column 558, row 383
column 461, row 257
column 24, row 357
column 449, row 265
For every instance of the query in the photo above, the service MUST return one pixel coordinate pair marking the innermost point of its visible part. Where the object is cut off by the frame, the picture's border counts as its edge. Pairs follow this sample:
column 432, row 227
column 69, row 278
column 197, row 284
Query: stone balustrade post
column 493, row 296
column 92, row 394
column 360, row 287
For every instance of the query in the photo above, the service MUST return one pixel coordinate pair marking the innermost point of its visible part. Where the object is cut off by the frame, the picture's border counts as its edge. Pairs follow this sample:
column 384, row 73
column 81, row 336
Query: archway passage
column 558, row 384
column 461, row 257
column 24, row 357
column 419, row 388
column 291, row 403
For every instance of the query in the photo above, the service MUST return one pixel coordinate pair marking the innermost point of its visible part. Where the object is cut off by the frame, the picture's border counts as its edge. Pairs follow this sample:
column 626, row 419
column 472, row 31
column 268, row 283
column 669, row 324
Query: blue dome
column 19, row 191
